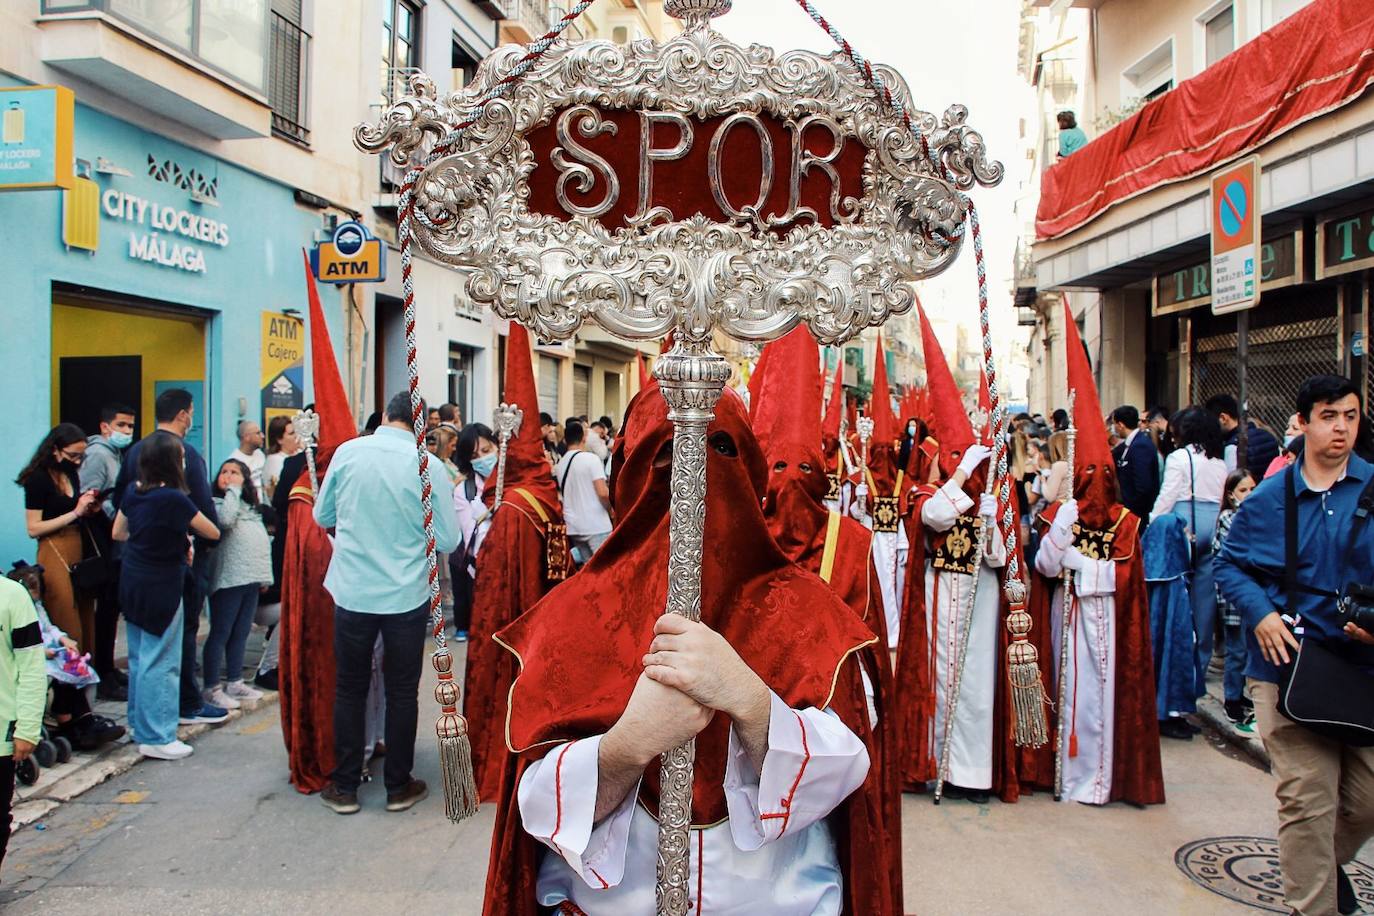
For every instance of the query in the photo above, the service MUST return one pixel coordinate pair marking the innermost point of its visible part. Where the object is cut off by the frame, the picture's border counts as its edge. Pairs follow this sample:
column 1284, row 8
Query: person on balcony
column 1071, row 136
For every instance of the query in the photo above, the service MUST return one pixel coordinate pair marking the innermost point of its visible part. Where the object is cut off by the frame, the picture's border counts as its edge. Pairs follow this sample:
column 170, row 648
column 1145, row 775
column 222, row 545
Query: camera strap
column 1363, row 509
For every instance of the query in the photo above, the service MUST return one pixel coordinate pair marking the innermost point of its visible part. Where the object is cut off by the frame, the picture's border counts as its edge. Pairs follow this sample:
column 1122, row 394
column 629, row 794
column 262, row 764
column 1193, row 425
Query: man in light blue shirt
column 379, row 580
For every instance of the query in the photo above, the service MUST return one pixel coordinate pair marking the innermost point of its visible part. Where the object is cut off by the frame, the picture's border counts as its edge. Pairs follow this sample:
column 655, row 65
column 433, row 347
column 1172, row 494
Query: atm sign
column 352, row 255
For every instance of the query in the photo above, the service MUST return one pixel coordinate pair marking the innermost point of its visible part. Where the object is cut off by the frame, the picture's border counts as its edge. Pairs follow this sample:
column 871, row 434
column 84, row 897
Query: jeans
column 231, row 620
column 1202, row 589
column 1233, row 682
column 269, row 615
column 403, row 642
column 584, row 545
column 154, row 671
column 6, row 801
column 192, row 602
column 106, row 624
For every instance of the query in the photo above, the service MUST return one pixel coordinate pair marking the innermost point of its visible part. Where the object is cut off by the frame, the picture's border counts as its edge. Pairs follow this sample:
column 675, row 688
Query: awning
column 1314, row 61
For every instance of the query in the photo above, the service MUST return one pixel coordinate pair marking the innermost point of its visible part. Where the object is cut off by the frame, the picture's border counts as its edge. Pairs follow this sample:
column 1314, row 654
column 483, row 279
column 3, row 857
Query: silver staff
column 306, row 423
column 507, row 419
column 1065, row 627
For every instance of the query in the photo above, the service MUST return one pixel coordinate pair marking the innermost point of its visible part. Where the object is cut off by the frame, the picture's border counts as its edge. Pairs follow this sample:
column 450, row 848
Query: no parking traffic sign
column 1235, row 236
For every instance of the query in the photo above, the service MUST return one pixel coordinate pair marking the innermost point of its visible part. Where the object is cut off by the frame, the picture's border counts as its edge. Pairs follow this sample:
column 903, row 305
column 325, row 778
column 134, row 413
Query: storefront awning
column 1316, row 60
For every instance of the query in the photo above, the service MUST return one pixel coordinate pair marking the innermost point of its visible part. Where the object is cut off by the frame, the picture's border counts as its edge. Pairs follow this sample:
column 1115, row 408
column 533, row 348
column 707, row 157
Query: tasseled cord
column 1027, row 690
column 455, row 749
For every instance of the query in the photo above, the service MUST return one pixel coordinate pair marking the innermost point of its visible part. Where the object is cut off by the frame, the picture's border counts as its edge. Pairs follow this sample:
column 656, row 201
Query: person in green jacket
column 1071, row 136
column 23, row 691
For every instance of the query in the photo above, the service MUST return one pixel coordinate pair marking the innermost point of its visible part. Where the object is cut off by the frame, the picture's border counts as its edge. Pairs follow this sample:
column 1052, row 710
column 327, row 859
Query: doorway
column 85, row 384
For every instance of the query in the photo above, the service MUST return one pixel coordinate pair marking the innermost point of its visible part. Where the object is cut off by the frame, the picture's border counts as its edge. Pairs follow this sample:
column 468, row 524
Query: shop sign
column 1345, row 244
column 352, row 255
column 1190, row 287
column 163, row 234
column 36, row 127
column 283, row 365
column 1235, row 237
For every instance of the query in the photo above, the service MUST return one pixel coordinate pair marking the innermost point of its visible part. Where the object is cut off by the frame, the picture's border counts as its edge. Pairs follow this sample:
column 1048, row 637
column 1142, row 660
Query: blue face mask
column 484, row 465
column 121, row 439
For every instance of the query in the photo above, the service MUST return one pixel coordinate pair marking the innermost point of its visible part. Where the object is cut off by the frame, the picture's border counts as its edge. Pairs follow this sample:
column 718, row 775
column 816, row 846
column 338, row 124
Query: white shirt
column 272, row 468
column 256, row 462
column 473, row 516
column 774, row 853
column 583, row 511
column 1206, row 482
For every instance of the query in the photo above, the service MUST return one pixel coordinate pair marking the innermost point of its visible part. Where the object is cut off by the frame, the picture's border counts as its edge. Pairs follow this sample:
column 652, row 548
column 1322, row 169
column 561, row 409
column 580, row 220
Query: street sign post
column 1236, row 237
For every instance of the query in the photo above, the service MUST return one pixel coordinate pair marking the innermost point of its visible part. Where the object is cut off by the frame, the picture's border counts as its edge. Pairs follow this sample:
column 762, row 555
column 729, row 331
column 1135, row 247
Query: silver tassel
column 455, row 748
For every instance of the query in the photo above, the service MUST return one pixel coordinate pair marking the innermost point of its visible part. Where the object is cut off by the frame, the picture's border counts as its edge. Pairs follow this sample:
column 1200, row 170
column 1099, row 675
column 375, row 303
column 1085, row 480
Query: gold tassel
column 1027, row 689
column 455, row 749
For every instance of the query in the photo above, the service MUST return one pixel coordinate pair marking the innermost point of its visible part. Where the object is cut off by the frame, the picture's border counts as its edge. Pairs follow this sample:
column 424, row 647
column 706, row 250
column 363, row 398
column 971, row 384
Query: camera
column 1356, row 605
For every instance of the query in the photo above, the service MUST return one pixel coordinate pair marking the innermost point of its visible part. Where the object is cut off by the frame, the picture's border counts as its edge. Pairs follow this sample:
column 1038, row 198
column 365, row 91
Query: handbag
column 1322, row 689
column 88, row 574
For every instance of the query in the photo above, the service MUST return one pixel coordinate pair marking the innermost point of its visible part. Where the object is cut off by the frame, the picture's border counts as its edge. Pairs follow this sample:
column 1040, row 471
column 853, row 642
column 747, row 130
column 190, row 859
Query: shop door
column 460, row 361
column 87, row 383
column 390, row 376
column 1282, row 357
column 548, row 386
column 582, row 391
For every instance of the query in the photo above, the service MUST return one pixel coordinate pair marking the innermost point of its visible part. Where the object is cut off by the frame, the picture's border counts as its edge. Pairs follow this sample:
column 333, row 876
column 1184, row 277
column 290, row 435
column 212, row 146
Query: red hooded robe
column 785, row 623
column 1013, row 769
column 1137, row 774
column 512, row 571
column 306, row 666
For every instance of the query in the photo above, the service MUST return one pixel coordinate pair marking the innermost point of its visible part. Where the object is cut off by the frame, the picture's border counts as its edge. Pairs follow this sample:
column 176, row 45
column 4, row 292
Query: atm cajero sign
column 164, row 235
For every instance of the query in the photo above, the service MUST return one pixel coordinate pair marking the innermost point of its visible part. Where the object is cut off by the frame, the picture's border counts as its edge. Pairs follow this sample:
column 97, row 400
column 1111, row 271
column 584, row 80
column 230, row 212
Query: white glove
column 1073, row 559
column 1063, row 521
column 975, row 456
column 861, row 494
column 987, row 506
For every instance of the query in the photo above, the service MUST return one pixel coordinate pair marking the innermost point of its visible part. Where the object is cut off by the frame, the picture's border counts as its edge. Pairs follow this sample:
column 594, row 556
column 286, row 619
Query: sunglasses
column 74, row 458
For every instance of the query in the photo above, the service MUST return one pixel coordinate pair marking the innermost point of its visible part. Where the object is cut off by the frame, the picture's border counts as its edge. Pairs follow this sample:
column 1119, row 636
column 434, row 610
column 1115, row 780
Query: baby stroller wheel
column 45, row 753
column 64, row 748
column 27, row 771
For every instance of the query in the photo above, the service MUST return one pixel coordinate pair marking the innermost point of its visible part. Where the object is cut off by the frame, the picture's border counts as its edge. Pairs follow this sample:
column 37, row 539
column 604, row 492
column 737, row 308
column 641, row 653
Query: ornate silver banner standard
column 507, row 419
column 306, row 423
column 694, row 187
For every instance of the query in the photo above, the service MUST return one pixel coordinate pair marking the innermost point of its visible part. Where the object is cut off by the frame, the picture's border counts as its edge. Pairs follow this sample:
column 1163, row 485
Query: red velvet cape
column 785, row 623
column 306, row 665
column 511, row 577
column 1137, row 774
column 1014, row 769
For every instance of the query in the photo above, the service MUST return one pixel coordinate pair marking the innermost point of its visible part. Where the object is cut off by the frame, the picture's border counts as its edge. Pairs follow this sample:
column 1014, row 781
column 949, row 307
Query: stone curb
column 113, row 760
column 1211, row 711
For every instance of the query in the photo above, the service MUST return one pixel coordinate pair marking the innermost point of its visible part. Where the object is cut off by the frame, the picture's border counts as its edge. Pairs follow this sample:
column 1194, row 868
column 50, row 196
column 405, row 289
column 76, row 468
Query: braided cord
column 1006, row 521
column 405, row 213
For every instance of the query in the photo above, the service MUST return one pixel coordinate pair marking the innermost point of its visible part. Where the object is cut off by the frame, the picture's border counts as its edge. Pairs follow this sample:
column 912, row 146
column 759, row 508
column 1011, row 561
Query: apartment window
column 400, row 46
column 1151, row 76
column 288, row 72
column 463, row 64
column 231, row 36
column 1275, row 11
column 1219, row 34
column 548, row 384
column 620, row 35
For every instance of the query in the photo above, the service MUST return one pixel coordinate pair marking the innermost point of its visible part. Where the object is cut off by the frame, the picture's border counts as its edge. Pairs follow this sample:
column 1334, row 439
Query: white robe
column 1089, row 702
column 889, row 560
column 970, row 758
column 774, row 854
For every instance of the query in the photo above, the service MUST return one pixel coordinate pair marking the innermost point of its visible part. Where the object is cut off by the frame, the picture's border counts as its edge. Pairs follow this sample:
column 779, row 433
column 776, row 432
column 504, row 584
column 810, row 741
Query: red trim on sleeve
column 786, row 803
column 604, row 885
column 558, row 791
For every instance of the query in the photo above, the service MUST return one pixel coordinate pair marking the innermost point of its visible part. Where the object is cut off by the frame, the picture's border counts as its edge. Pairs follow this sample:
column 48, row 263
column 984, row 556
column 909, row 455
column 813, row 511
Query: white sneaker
column 174, row 750
column 241, row 691
column 218, row 696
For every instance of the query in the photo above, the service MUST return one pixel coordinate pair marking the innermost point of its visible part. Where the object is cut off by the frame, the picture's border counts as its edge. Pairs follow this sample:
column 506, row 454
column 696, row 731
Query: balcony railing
column 288, row 79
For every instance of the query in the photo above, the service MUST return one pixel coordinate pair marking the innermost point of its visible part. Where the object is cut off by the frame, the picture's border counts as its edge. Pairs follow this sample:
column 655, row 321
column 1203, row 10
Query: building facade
column 1179, row 90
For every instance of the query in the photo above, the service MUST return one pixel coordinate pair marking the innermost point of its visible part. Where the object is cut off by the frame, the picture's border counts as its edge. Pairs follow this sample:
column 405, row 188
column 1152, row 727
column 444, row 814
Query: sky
column 961, row 52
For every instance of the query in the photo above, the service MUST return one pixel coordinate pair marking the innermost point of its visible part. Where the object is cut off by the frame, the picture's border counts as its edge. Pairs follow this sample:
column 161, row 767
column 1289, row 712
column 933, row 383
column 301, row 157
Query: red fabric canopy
column 1315, row 60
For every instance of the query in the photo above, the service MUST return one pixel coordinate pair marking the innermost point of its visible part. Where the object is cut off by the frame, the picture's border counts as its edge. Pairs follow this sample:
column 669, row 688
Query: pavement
column 223, row 831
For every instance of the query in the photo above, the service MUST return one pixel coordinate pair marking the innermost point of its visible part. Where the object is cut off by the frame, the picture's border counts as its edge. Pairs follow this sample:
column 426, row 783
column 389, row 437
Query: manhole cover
column 1246, row 869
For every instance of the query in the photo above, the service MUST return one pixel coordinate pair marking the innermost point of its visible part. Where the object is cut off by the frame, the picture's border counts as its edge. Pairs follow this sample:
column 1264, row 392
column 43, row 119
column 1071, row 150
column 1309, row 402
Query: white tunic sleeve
column 557, row 798
column 940, row 512
column 1097, row 577
column 814, row 762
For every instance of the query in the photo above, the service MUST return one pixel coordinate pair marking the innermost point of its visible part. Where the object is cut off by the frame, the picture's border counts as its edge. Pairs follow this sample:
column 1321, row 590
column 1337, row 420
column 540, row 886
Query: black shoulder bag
column 1322, row 689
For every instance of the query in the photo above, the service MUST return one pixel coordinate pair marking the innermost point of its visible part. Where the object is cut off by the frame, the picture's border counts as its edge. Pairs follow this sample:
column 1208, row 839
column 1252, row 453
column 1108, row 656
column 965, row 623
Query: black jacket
column 1261, row 448
column 1137, row 472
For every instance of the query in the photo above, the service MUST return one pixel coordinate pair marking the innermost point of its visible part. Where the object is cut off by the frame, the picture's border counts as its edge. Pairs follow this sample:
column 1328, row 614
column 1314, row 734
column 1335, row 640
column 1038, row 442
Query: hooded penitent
column 1012, row 768
column 512, row 572
column 786, row 420
column 1107, row 530
column 884, row 477
column 830, row 427
column 306, row 665
column 581, row 648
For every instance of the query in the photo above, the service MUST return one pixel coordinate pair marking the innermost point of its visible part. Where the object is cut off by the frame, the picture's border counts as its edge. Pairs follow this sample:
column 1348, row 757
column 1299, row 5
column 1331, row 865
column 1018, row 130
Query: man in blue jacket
column 1137, row 464
column 1325, row 789
column 1261, row 448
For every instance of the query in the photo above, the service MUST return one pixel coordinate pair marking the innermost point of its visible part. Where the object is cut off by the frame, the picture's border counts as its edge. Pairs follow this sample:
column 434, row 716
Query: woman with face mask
column 55, row 513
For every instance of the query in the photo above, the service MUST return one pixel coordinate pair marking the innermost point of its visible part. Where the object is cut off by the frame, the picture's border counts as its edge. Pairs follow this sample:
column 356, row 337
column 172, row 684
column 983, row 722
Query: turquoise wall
column 258, row 270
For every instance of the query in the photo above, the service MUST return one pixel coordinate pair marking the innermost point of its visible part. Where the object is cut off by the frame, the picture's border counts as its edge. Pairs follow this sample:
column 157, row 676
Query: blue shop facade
column 163, row 267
